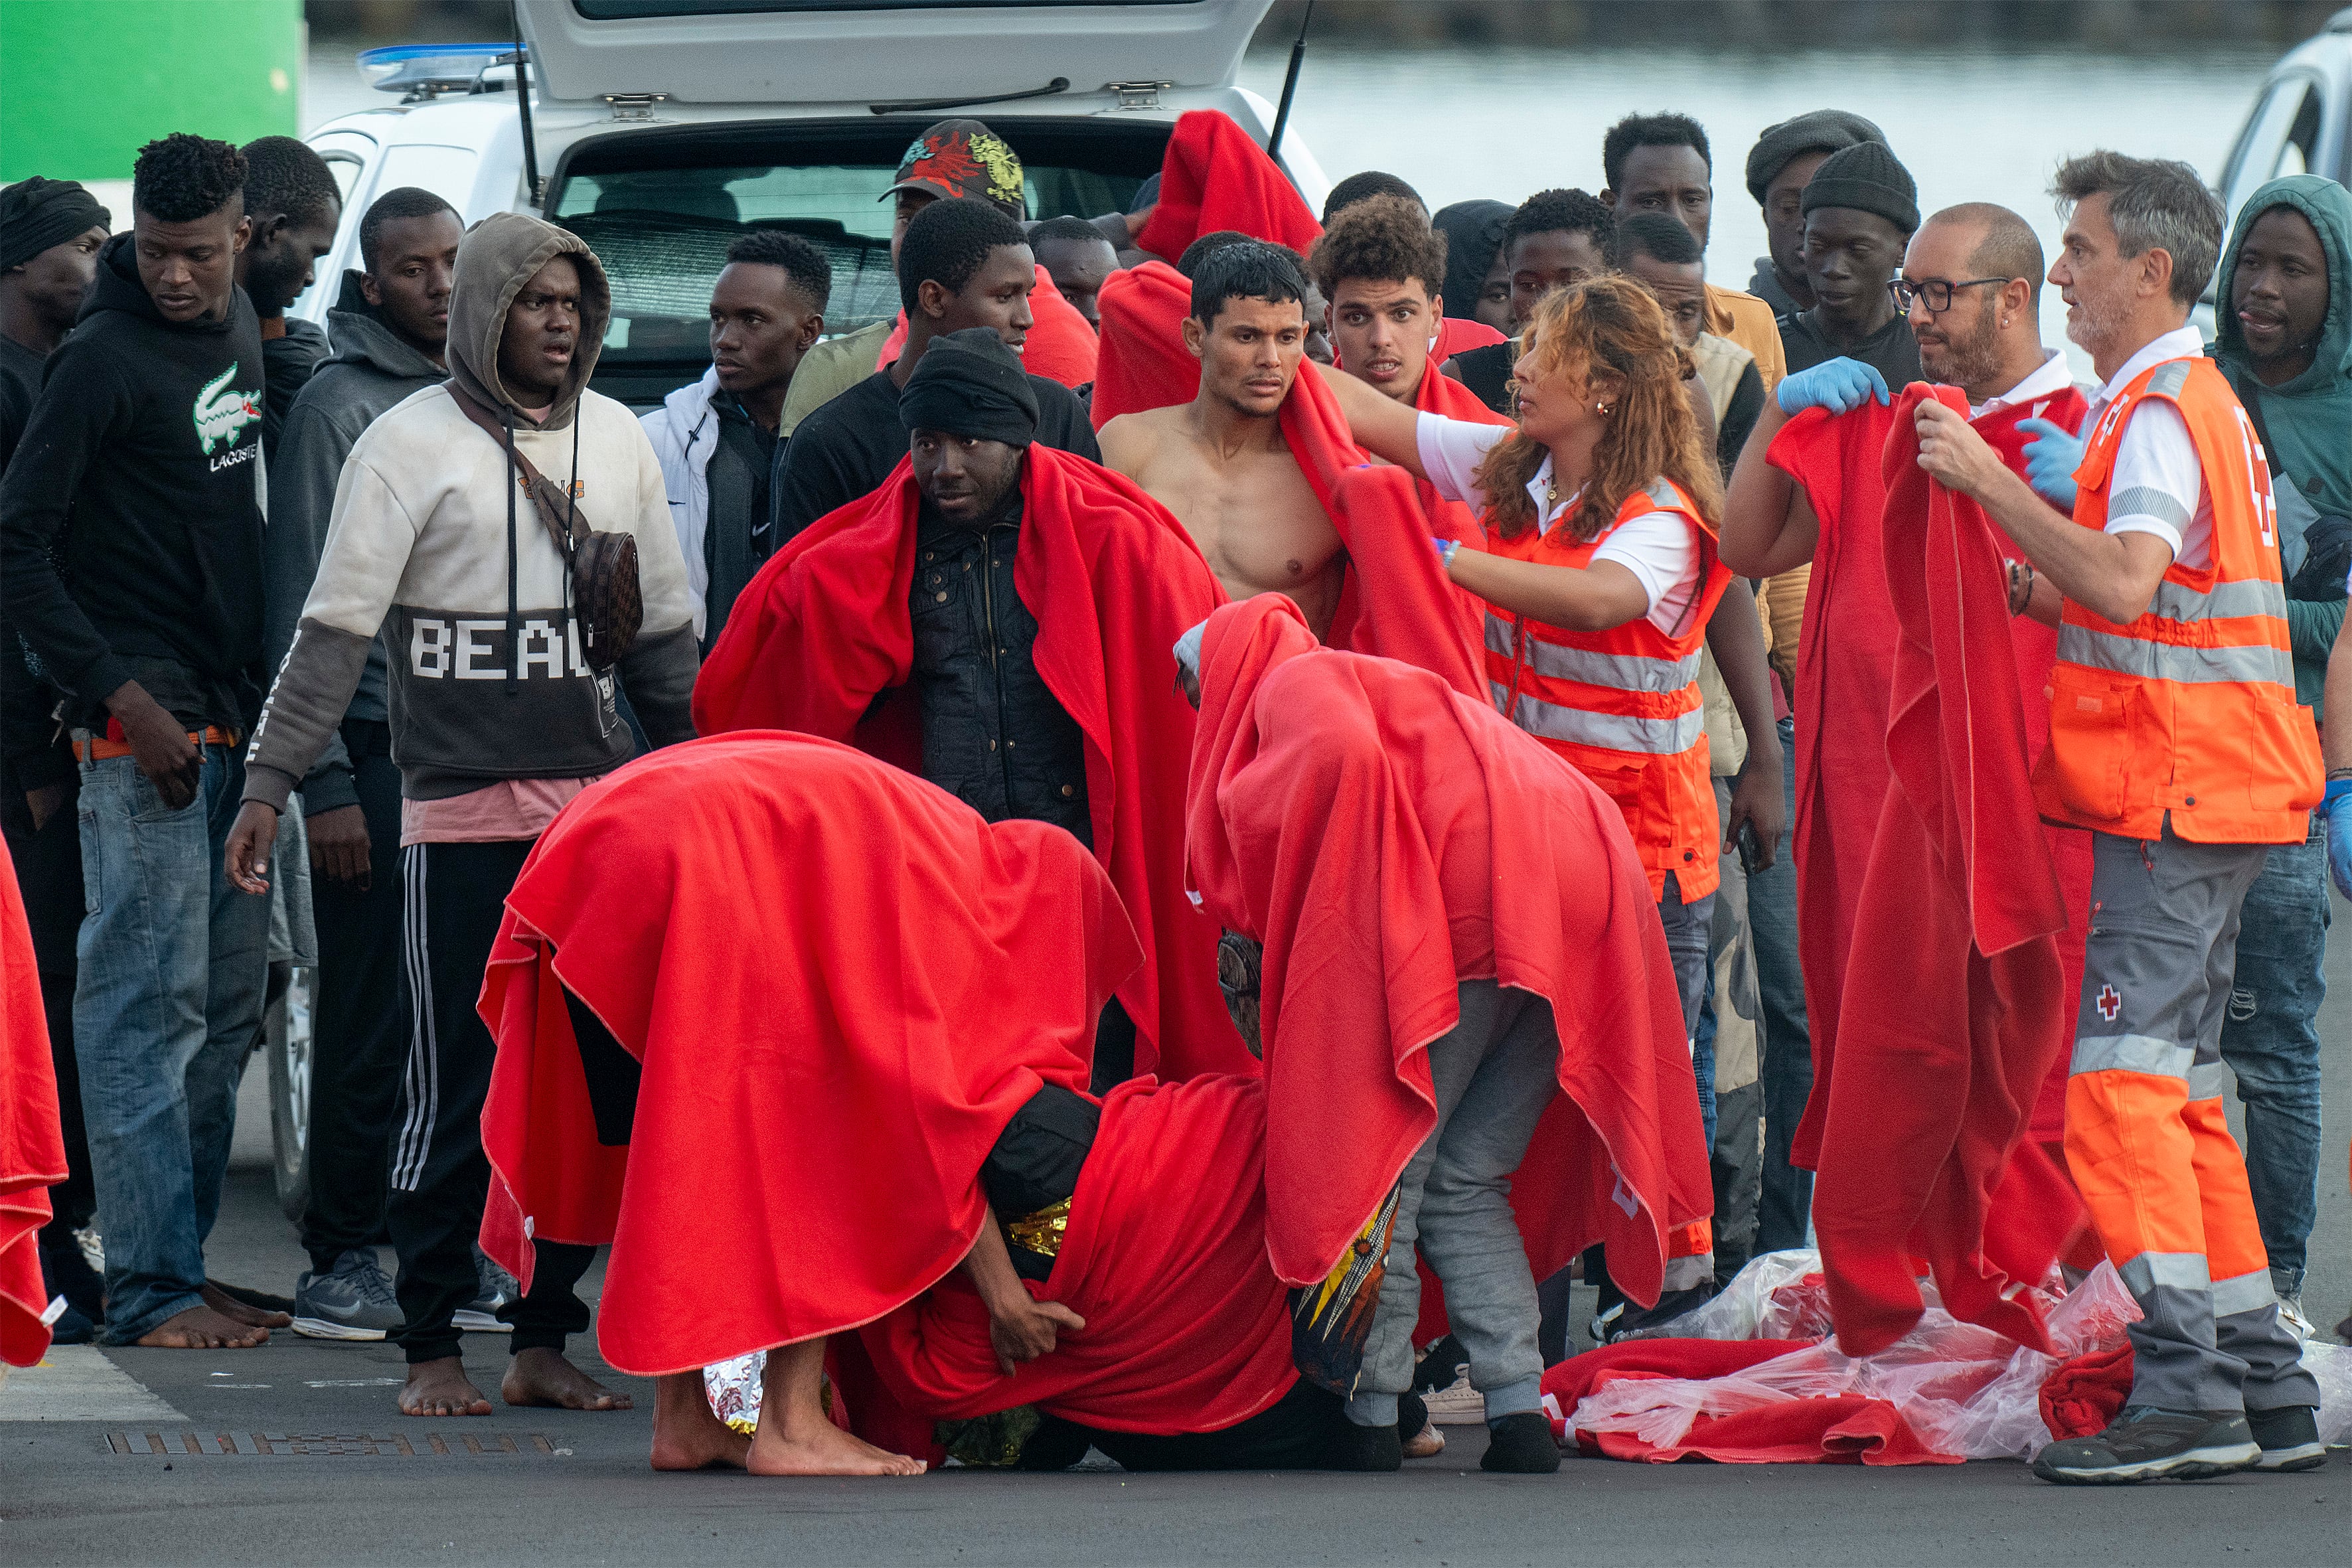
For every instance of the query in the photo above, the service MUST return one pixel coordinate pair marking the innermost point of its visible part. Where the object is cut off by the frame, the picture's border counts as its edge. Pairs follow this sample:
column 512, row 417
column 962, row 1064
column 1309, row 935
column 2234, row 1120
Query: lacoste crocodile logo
column 221, row 414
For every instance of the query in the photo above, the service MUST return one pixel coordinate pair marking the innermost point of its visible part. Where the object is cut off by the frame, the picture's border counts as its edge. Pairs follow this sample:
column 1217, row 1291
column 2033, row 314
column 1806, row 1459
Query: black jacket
column 289, row 361
column 140, row 469
column 993, row 735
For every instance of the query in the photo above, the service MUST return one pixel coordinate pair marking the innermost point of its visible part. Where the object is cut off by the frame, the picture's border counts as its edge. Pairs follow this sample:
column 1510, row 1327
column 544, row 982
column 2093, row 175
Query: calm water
column 1460, row 122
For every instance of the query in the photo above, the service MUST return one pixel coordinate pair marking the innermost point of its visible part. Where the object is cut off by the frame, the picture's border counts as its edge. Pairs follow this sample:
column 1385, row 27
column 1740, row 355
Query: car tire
column 286, row 1040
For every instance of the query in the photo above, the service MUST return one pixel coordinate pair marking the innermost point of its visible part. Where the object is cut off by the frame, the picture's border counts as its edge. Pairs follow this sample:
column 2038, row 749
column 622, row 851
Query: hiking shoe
column 352, row 1301
column 2289, row 1438
column 480, row 1316
column 2145, row 1444
column 1521, row 1444
column 1644, row 1322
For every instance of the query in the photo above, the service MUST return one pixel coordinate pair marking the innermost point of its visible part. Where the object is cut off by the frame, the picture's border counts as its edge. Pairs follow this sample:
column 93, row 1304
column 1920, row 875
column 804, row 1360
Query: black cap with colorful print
column 963, row 158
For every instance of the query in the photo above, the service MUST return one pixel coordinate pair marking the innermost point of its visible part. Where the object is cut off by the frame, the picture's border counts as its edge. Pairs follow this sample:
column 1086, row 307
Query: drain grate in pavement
column 397, row 1446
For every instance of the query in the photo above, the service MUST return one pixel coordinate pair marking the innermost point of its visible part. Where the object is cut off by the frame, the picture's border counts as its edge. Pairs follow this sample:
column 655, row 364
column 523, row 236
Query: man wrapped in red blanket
column 1254, row 458
column 997, row 616
column 806, row 1040
column 1461, row 977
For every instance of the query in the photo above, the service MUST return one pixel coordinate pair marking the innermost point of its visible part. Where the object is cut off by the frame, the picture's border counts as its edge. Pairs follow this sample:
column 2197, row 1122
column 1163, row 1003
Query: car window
column 2280, row 137
column 663, row 234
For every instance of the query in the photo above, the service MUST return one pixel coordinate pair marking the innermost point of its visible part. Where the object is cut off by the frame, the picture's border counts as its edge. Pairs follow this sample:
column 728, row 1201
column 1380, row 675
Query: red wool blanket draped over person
column 934, row 992
column 1442, row 846
column 824, row 631
column 1845, row 659
column 1216, row 177
column 1954, row 1008
column 32, row 1146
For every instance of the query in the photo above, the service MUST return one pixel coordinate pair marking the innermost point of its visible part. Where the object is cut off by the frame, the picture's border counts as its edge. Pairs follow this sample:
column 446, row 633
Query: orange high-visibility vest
column 1622, row 705
column 2189, row 710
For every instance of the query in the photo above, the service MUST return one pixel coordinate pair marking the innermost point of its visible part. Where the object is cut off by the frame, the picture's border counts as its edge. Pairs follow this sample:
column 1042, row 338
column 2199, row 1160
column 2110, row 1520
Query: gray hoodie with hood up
column 432, row 543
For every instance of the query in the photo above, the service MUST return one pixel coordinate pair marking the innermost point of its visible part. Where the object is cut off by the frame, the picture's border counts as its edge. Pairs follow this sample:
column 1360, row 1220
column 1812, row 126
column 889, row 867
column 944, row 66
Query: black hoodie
column 129, row 516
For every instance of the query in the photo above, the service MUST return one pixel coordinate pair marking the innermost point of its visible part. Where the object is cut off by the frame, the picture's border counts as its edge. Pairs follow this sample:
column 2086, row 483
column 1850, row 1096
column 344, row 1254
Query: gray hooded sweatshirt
column 373, row 368
column 432, row 543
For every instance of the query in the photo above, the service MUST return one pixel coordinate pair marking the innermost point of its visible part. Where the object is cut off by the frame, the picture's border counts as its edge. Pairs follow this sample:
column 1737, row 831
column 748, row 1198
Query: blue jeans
column 1786, row 1210
column 174, row 961
column 2270, row 1038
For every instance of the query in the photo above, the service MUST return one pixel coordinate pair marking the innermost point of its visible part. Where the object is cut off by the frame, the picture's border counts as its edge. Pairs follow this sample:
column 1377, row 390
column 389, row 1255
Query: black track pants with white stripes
column 456, row 896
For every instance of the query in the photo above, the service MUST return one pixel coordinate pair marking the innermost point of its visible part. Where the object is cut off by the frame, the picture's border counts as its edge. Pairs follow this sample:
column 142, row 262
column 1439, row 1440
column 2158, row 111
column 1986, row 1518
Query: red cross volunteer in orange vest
column 2174, row 738
column 1600, row 578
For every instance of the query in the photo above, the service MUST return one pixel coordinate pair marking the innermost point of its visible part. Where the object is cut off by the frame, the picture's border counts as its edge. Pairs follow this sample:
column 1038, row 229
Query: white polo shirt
column 1659, row 548
column 2157, row 485
column 2047, row 379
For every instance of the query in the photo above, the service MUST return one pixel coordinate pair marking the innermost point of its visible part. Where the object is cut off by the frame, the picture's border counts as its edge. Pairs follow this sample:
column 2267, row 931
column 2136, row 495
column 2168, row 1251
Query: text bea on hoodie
column 131, row 521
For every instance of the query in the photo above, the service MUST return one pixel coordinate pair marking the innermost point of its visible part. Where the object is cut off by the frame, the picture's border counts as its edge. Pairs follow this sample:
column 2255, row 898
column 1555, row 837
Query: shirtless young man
column 1219, row 462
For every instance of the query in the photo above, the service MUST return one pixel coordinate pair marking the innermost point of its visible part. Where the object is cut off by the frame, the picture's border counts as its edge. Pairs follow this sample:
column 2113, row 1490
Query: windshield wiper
column 931, row 105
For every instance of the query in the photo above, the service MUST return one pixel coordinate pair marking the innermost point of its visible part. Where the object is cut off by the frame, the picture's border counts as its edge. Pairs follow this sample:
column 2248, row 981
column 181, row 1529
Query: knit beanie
column 1823, row 131
column 1867, row 178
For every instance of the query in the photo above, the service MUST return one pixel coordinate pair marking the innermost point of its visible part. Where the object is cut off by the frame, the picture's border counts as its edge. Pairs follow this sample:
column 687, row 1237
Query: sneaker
column 1644, row 1322
column 480, row 1316
column 2289, row 1438
column 1457, row 1403
column 352, row 1301
column 2145, row 1444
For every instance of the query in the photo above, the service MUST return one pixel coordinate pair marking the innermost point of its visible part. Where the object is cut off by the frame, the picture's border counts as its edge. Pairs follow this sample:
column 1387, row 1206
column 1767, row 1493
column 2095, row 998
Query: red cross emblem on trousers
column 2109, row 1001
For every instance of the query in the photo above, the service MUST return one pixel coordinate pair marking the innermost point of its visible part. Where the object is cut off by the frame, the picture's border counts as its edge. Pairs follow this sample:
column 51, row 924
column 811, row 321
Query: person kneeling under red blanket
column 763, row 1000
column 1460, row 980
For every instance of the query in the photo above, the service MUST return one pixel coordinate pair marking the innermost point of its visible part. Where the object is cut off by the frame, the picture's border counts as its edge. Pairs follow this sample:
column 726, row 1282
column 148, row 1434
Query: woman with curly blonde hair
column 1599, row 577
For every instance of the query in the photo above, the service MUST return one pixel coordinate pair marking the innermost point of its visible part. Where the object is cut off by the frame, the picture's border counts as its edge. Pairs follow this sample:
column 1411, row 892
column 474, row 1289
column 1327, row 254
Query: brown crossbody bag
column 606, row 597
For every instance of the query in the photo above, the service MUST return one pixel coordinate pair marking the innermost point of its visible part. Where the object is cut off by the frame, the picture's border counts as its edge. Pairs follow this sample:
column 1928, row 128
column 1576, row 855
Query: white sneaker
column 1457, row 1405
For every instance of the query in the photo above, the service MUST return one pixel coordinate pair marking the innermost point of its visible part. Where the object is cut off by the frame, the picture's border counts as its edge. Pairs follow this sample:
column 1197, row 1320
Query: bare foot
column 236, row 1312
column 822, row 1449
column 441, row 1388
column 541, row 1377
column 687, row 1433
column 1429, row 1440
column 202, row 1328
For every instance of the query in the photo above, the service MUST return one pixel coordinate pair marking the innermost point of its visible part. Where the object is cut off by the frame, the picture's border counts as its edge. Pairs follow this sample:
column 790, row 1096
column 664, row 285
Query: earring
column 1602, row 408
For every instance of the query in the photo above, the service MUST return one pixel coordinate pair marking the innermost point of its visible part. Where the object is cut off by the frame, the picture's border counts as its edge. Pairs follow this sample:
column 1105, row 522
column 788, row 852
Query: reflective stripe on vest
column 1620, row 671
column 1609, row 731
column 2170, row 661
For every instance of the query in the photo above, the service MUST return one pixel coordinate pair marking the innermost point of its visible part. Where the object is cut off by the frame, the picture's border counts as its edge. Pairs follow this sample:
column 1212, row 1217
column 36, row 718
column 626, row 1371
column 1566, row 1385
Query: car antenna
column 1289, row 86
column 521, row 59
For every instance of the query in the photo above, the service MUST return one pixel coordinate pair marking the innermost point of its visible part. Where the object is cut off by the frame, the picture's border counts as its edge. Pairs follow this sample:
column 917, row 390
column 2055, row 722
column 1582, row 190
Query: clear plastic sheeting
column 1964, row 1390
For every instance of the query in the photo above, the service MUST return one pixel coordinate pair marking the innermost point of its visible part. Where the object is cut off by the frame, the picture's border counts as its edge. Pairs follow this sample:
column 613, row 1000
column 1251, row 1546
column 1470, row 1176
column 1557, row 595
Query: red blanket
column 1844, row 673
column 32, row 1149
column 1140, row 359
column 840, row 984
column 1061, row 344
column 1187, row 1328
column 1113, row 579
column 1455, row 336
column 1955, row 1007
column 1216, row 177
column 1386, row 838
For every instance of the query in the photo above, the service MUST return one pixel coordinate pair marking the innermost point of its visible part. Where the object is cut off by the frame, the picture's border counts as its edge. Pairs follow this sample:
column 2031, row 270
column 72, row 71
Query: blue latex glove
column 2339, row 834
column 2050, row 459
column 1446, row 549
column 1840, row 385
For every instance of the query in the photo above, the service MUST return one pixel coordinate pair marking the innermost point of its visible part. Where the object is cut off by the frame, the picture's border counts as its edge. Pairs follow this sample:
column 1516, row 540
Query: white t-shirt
column 1659, row 548
column 2157, row 485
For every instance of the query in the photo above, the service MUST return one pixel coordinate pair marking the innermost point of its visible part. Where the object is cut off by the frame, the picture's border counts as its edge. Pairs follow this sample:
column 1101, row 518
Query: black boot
column 1357, row 1447
column 1521, row 1444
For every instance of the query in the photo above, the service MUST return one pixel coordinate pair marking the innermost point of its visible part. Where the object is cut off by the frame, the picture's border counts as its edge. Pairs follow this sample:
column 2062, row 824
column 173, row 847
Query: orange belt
column 99, row 749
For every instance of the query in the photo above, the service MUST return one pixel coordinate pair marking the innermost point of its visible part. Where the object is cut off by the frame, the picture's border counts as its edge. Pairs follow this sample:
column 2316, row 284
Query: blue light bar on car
column 421, row 69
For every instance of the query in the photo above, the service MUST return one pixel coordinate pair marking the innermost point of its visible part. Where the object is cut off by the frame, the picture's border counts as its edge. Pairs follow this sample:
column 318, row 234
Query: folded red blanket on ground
column 1388, row 839
column 840, row 984
column 31, row 1148
column 822, row 641
column 1216, row 177
column 1846, row 1429
column 1061, row 345
column 1954, row 1008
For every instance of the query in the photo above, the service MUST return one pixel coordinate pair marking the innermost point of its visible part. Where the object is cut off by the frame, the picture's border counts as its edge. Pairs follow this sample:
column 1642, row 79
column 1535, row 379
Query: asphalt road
column 348, row 1481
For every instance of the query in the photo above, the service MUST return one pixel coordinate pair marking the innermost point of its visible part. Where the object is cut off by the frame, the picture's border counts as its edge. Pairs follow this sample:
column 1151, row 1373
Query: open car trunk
column 872, row 51
column 660, row 207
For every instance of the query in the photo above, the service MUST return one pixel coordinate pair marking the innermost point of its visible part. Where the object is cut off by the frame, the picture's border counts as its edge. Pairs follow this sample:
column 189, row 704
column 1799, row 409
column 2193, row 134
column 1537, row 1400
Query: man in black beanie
column 1779, row 165
column 1860, row 208
column 50, row 231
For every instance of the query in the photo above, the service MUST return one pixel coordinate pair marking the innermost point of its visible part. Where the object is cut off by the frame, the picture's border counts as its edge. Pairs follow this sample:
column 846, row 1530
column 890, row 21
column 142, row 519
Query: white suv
column 660, row 130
